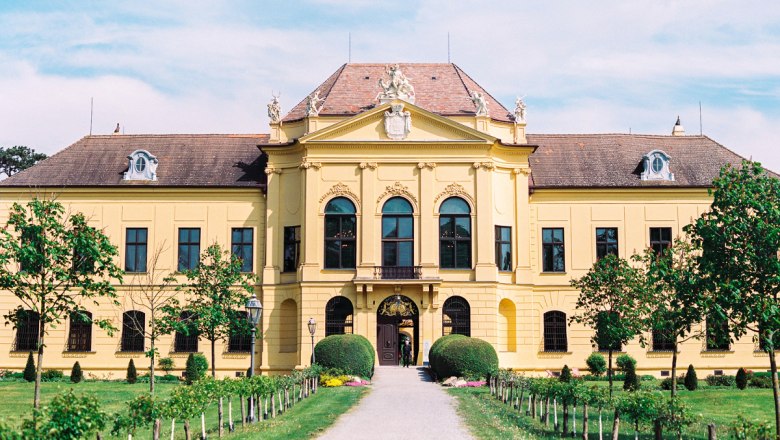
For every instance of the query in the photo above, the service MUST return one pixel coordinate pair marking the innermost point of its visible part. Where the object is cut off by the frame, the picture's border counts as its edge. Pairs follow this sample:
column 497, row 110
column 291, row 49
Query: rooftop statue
column 397, row 88
column 312, row 101
column 274, row 109
column 481, row 103
column 519, row 110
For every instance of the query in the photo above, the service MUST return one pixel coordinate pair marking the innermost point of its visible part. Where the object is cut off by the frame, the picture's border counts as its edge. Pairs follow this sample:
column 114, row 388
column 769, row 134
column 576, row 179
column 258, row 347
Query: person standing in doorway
column 407, row 353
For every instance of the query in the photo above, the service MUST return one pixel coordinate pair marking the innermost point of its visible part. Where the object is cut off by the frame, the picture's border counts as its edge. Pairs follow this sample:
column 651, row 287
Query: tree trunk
column 273, row 406
column 658, row 429
column 520, row 400
column 173, row 428
column 213, row 358
column 775, row 387
column 555, row 414
column 243, row 413
column 674, row 370
column 156, row 432
column 533, row 406
column 636, row 429
column 41, row 331
column 584, row 421
column 609, row 373
column 187, row 433
column 221, row 419
column 547, row 411
column 202, row 426
column 565, row 418
column 711, row 434
column 574, row 420
column 601, row 426
column 151, row 367
column 528, row 406
column 231, row 426
column 616, row 426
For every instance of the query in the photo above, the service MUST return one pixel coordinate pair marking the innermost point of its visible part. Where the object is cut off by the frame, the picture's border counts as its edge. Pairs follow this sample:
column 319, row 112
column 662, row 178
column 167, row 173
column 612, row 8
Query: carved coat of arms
column 398, row 123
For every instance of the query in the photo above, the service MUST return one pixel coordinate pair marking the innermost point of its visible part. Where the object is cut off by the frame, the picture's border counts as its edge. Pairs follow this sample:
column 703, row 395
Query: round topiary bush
column 434, row 354
column 596, row 364
column 352, row 354
column 469, row 357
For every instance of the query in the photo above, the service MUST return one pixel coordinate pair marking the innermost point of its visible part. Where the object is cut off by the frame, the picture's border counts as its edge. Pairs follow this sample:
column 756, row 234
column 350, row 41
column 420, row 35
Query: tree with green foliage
column 195, row 368
column 631, row 381
column 641, row 407
column 67, row 417
column 677, row 290
column 740, row 237
column 132, row 374
column 691, row 381
column 55, row 264
column 611, row 301
column 166, row 364
column 565, row 374
column 596, row 364
column 623, row 361
column 18, row 158
column 29, row 369
column 76, row 375
column 741, row 379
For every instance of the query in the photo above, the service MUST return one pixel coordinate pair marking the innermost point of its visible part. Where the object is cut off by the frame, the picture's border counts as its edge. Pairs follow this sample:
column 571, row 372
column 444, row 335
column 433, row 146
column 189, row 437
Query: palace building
column 396, row 202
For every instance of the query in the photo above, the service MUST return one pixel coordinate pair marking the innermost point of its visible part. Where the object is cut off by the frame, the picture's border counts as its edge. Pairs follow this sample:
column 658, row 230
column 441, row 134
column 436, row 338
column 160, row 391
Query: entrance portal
column 395, row 313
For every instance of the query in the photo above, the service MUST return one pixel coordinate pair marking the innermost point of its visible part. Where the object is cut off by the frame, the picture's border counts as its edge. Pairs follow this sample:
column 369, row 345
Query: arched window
column 288, row 328
column 455, row 234
column 398, row 237
column 338, row 316
column 456, row 317
column 340, row 234
column 718, row 338
column 186, row 342
column 133, row 328
column 663, row 340
column 507, row 326
column 27, row 326
column 80, row 333
column 555, row 331
column 240, row 334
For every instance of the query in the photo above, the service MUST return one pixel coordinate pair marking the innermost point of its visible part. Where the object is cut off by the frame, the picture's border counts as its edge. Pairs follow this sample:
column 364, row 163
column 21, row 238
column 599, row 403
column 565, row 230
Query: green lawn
column 304, row 420
column 487, row 418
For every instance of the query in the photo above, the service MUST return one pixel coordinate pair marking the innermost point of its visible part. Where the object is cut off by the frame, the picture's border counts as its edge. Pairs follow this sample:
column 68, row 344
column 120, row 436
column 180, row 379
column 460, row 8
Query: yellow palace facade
column 396, row 202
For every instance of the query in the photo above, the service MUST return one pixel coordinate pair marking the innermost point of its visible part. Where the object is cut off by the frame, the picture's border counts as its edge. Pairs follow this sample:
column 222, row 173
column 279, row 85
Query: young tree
column 677, row 291
column 740, row 240
column 54, row 263
column 151, row 293
column 18, row 158
column 611, row 301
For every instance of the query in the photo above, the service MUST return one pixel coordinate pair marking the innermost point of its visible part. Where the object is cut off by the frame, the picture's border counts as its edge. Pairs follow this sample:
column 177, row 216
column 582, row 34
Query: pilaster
column 271, row 268
column 428, row 230
column 367, row 237
column 522, row 237
column 310, row 269
column 485, row 267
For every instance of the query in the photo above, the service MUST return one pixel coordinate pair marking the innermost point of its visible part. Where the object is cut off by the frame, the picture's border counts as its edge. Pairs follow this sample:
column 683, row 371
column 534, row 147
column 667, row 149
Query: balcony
column 397, row 272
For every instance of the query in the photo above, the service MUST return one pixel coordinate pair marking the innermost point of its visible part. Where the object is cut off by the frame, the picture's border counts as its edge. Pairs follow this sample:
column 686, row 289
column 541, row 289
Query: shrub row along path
column 403, row 404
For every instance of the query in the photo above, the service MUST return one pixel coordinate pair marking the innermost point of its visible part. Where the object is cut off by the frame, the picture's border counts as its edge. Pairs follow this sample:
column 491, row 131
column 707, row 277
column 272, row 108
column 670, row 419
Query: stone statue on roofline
column 519, row 110
column 480, row 102
column 274, row 110
column 312, row 103
column 397, row 88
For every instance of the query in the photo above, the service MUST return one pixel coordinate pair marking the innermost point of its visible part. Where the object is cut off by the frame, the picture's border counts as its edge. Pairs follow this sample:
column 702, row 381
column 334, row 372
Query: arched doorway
column 395, row 315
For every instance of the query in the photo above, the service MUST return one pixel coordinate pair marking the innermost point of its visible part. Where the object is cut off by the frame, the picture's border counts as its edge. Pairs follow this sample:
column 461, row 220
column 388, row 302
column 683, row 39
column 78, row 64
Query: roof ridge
column 484, row 90
column 457, row 72
column 336, row 75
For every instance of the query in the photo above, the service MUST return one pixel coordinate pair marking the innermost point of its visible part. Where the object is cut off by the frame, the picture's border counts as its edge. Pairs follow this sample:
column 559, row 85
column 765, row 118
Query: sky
column 190, row 66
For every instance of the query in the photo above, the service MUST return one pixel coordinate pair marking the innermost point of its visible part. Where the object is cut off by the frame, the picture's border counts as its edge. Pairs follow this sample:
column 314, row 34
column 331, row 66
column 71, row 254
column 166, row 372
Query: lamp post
column 254, row 310
column 312, row 329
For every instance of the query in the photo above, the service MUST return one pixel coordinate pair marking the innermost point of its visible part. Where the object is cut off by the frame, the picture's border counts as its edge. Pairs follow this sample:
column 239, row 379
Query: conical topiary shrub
column 132, row 375
column 76, row 375
column 29, row 369
column 565, row 374
column 691, row 381
column 742, row 379
column 631, row 381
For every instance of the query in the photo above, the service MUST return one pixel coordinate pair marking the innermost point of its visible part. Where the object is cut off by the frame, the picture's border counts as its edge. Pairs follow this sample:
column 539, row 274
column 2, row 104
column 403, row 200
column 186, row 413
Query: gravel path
column 403, row 404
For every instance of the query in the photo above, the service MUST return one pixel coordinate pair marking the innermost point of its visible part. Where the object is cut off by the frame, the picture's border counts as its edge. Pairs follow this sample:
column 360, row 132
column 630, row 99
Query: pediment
column 424, row 126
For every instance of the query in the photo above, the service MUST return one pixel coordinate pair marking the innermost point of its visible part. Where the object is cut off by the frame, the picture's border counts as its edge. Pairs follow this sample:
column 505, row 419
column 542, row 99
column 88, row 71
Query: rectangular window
column 504, row 248
column 660, row 239
column 552, row 250
column 241, row 246
column 31, row 260
column 83, row 263
column 80, row 334
column 292, row 247
column 27, row 328
column 606, row 242
column 189, row 248
column 135, row 249
column 718, row 337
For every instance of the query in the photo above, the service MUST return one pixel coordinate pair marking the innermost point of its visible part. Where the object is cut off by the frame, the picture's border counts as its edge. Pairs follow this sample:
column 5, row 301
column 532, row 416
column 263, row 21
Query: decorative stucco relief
column 272, row 170
column 523, row 171
column 486, row 165
column 429, row 165
column 453, row 189
column 340, row 189
column 397, row 189
column 306, row 165
column 371, row 165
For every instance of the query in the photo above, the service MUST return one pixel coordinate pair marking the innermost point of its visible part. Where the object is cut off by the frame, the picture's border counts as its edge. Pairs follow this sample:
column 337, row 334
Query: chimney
column 116, row 130
column 678, row 129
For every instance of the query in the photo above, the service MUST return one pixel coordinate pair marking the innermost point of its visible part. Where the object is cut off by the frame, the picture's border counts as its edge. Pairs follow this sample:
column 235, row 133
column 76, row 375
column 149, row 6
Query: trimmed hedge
column 458, row 355
column 352, row 354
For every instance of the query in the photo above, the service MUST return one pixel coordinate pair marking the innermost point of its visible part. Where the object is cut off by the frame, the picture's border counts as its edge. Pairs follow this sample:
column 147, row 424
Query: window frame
column 238, row 248
column 606, row 246
column 460, row 320
column 186, row 343
column 455, row 241
column 662, row 340
column 188, row 247
column 26, row 336
column 659, row 245
column 337, row 320
column 395, row 241
column 136, row 245
column 501, row 243
column 294, row 247
column 79, row 334
column 341, row 241
column 552, row 245
column 129, row 340
column 555, row 332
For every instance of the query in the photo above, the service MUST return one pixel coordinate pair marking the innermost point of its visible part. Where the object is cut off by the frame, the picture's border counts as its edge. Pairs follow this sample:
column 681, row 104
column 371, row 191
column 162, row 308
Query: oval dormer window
column 142, row 165
column 656, row 166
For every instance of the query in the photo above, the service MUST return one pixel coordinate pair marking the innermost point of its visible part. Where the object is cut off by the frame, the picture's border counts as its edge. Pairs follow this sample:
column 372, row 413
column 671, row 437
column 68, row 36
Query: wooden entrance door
column 387, row 343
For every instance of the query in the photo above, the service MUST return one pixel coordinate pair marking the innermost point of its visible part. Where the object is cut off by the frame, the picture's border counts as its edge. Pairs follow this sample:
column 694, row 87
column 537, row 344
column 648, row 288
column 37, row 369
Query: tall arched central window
column 455, row 234
column 340, row 234
column 397, row 233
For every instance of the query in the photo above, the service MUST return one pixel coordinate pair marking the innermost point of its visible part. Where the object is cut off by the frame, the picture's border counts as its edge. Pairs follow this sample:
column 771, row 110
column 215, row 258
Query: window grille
column 27, row 331
column 80, row 333
column 133, row 329
column 338, row 316
column 186, row 342
column 456, row 316
column 555, row 332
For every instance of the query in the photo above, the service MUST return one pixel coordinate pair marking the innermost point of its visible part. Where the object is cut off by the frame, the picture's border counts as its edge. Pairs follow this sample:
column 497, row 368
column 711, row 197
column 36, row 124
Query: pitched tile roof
column 615, row 160
column 439, row 88
column 185, row 160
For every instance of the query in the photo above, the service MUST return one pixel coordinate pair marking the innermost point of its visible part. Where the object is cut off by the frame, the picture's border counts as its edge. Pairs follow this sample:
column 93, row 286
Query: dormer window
column 656, row 166
column 142, row 166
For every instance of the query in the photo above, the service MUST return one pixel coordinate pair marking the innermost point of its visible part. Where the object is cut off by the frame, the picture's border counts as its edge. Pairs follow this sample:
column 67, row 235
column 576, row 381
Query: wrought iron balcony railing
column 397, row 272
